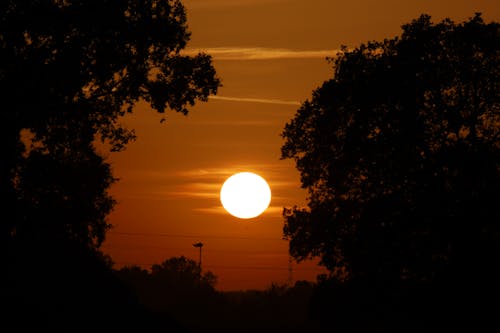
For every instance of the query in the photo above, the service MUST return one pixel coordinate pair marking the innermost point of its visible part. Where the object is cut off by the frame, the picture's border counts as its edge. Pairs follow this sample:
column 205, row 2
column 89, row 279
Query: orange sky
column 270, row 55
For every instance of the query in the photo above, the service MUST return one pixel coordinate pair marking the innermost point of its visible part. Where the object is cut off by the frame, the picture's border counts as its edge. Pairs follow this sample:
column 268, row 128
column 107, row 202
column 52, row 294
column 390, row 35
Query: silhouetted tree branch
column 69, row 71
column 399, row 153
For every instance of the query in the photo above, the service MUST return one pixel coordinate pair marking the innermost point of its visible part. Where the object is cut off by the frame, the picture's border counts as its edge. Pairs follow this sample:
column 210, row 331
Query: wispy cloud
column 233, row 123
column 205, row 184
column 197, row 190
column 206, row 173
column 254, row 100
column 211, row 174
column 208, row 4
column 275, row 210
column 261, row 53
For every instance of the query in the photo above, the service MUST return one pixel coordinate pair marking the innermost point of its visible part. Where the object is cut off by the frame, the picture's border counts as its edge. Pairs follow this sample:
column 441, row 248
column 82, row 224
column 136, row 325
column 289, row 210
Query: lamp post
column 200, row 245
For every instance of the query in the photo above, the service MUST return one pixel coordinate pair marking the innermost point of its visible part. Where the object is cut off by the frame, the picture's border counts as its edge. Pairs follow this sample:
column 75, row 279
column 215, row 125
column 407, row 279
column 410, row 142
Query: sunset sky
column 270, row 56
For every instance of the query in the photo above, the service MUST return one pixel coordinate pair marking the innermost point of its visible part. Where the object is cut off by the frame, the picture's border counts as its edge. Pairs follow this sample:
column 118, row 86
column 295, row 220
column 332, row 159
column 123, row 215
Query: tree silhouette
column 183, row 273
column 176, row 286
column 69, row 71
column 400, row 154
column 66, row 194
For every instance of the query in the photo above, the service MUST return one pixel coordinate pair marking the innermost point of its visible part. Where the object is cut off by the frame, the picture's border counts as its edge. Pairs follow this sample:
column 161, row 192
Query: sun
column 245, row 195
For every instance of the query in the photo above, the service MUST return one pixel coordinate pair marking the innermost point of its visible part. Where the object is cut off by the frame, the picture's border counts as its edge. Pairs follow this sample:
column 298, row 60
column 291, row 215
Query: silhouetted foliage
column 183, row 273
column 400, row 154
column 69, row 71
column 279, row 308
column 174, row 285
column 178, row 288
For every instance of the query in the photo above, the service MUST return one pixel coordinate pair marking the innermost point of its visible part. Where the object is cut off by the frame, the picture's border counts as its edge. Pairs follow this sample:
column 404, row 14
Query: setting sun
column 245, row 195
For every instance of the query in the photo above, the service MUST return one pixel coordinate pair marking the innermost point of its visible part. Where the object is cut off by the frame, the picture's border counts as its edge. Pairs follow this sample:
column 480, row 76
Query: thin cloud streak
column 205, row 183
column 214, row 4
column 211, row 178
column 219, row 210
column 255, row 100
column 214, row 173
column 253, row 123
column 261, row 53
column 192, row 194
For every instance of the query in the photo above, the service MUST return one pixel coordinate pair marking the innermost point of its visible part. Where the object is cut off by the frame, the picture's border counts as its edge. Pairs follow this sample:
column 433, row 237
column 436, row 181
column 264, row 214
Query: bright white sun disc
column 245, row 195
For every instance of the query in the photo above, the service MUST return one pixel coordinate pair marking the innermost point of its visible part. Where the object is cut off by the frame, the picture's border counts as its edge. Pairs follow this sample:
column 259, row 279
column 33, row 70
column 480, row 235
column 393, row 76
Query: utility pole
column 199, row 245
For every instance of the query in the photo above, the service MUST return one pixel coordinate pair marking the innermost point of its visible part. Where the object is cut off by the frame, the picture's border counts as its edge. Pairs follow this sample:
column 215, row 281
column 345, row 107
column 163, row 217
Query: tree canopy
column 400, row 155
column 175, row 285
column 69, row 71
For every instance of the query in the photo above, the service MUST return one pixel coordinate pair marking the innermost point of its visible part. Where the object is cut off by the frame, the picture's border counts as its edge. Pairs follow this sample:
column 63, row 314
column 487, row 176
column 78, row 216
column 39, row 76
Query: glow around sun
column 245, row 195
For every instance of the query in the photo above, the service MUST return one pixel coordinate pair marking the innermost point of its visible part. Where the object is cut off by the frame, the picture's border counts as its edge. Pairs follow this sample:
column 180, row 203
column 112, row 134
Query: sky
column 270, row 55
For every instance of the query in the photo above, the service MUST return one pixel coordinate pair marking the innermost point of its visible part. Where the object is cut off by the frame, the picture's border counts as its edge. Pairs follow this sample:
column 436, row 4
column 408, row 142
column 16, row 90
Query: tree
column 70, row 70
column 177, row 285
column 180, row 277
column 400, row 155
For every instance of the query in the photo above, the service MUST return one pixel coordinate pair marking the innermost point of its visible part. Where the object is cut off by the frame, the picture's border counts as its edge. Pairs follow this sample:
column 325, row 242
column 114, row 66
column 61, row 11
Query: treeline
column 179, row 290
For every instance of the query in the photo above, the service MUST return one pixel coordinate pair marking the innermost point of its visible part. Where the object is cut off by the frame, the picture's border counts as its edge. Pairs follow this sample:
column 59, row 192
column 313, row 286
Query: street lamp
column 200, row 245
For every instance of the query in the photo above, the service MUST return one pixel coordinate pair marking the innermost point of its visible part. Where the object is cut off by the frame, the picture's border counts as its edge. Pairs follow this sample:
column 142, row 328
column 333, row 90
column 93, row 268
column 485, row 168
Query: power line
column 229, row 267
column 227, row 252
column 109, row 247
column 171, row 235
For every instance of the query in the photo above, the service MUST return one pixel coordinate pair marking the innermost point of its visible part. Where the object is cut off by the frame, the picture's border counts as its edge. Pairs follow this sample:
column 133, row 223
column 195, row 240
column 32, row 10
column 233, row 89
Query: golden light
column 245, row 195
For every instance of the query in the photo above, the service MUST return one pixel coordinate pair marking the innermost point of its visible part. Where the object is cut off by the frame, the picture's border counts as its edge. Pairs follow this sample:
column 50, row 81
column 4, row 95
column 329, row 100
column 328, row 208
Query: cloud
column 232, row 123
column 205, row 184
column 203, row 190
column 261, row 53
column 273, row 170
column 206, row 173
column 255, row 100
column 213, row 4
column 219, row 210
